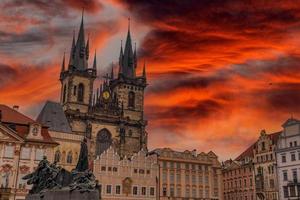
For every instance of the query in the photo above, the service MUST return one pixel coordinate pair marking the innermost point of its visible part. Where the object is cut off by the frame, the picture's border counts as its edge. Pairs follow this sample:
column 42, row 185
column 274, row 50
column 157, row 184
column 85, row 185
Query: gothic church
column 111, row 114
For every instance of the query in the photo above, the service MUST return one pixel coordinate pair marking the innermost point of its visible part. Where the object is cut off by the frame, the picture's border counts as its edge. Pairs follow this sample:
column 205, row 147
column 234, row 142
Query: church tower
column 77, row 79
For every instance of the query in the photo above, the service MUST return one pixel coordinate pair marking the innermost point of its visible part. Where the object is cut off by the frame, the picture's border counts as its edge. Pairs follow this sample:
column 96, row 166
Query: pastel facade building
column 288, row 160
column 130, row 178
column 23, row 143
column 188, row 175
column 264, row 160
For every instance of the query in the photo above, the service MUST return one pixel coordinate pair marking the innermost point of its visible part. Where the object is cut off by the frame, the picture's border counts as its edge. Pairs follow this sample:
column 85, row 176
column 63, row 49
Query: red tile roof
column 21, row 124
column 10, row 115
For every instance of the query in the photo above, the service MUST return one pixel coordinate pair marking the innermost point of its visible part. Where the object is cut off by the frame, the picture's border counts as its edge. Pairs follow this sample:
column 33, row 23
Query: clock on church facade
column 113, row 112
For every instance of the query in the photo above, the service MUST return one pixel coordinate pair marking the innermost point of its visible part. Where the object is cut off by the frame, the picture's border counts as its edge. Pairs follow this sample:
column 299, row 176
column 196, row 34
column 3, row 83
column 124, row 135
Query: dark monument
column 53, row 182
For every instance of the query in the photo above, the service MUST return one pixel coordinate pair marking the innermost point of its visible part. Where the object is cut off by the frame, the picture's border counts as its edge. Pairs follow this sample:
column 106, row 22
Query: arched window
column 57, row 156
column 69, row 157
column 103, row 141
column 131, row 99
column 80, row 94
column 64, row 93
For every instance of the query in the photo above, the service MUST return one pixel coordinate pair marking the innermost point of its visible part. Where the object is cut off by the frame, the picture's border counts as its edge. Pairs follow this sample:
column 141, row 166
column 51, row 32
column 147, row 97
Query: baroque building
column 265, row 166
column 288, row 160
column 23, row 143
column 130, row 178
column 111, row 113
column 188, row 175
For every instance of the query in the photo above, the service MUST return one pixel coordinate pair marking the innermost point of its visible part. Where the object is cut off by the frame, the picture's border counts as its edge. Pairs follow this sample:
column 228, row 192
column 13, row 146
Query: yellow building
column 188, row 175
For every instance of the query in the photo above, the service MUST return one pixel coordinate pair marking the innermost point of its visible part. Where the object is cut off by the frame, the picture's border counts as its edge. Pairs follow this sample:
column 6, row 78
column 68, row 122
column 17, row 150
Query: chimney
column 16, row 107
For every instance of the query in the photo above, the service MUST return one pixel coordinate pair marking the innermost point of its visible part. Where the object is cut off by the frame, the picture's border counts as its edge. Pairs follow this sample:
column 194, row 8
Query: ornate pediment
column 7, row 134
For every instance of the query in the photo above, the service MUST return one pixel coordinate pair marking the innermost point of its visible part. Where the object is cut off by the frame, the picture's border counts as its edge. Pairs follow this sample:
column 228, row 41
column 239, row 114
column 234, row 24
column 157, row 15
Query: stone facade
column 188, row 175
column 23, row 143
column 111, row 114
column 288, row 160
column 134, row 178
column 265, row 166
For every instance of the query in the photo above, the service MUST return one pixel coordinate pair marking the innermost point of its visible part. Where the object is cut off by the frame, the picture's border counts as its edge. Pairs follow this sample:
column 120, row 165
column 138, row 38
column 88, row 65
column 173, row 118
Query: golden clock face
column 106, row 95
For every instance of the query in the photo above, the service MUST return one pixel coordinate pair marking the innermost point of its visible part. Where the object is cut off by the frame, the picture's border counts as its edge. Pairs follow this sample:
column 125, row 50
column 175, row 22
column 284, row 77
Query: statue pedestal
column 65, row 194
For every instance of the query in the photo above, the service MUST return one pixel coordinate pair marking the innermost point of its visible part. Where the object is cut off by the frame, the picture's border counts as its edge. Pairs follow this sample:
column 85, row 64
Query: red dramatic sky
column 219, row 70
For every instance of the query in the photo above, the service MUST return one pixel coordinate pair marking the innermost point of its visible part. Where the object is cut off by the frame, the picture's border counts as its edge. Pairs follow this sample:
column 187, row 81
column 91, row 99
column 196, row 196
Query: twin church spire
column 79, row 56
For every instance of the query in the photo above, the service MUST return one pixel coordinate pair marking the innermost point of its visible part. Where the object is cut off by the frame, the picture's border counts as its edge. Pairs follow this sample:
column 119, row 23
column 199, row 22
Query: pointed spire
column 72, row 52
column 135, row 56
column 63, row 63
column 121, row 59
column 87, row 48
column 112, row 71
column 128, row 58
column 80, row 62
column 144, row 69
column 95, row 62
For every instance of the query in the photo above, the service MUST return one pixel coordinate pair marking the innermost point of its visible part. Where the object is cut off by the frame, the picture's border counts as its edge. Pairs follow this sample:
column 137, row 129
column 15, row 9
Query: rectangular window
column 171, row 165
column 164, row 177
column 103, row 168
column 291, row 144
column 135, row 190
column 187, row 179
column 194, row 193
column 118, row 189
column 293, row 157
column 178, row 178
column 165, row 164
column 164, row 191
column 295, row 178
column 9, row 151
column 206, row 180
column 144, row 191
column 172, row 192
column 178, row 165
column 108, row 189
column 187, row 166
column 283, row 158
column 285, row 175
column 193, row 179
column 178, row 192
column 187, row 192
column 295, row 143
column 285, row 192
column 152, row 191
column 172, row 177
column 25, row 153
column 292, row 191
column 39, row 153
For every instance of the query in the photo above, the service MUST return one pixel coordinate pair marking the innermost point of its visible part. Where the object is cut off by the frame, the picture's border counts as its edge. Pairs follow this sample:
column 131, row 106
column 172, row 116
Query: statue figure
column 83, row 163
column 44, row 177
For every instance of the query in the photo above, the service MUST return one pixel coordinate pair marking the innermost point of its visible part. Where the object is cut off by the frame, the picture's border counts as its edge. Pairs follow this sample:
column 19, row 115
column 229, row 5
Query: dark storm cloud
column 186, row 111
column 198, row 26
column 55, row 7
column 6, row 73
column 168, row 83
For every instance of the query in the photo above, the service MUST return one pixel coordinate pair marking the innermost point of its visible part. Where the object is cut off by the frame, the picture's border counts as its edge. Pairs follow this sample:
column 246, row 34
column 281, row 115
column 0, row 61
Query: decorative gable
column 35, row 130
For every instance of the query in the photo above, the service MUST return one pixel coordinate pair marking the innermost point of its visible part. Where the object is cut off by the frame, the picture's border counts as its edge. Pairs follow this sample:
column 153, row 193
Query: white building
column 288, row 160
column 130, row 179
